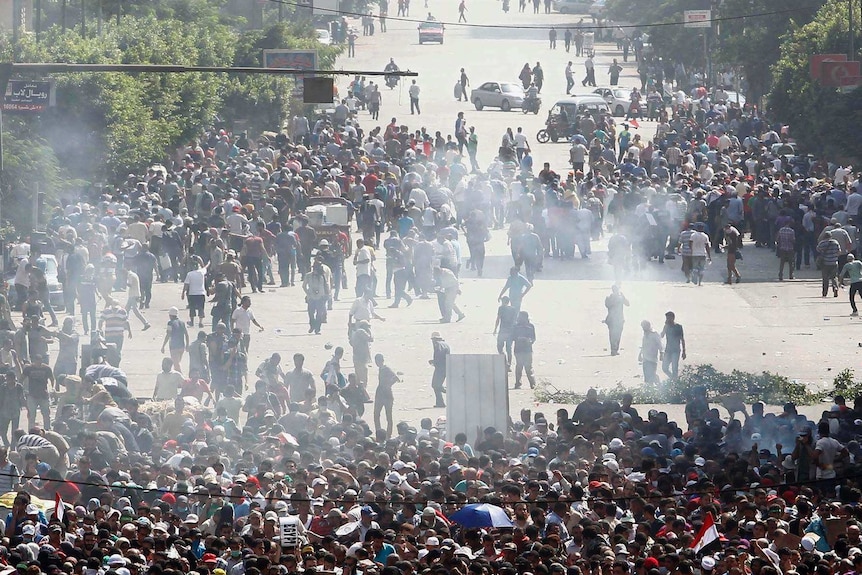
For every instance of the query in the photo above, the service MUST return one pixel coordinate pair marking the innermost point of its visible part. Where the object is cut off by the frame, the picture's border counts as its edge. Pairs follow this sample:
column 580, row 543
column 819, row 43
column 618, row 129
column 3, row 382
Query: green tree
column 821, row 118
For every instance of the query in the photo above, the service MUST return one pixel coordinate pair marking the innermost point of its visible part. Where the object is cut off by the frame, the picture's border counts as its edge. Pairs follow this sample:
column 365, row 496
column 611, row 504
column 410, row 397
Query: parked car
column 617, row 98
column 597, row 9
column 503, row 95
column 573, row 6
column 431, row 31
column 48, row 264
column 323, row 36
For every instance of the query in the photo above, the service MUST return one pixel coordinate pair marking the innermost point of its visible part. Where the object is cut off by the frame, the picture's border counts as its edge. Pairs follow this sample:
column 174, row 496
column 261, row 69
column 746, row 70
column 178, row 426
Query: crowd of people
column 237, row 467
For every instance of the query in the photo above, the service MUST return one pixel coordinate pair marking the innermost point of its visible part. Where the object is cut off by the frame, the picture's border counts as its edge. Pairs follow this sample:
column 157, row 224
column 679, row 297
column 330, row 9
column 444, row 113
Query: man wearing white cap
column 177, row 336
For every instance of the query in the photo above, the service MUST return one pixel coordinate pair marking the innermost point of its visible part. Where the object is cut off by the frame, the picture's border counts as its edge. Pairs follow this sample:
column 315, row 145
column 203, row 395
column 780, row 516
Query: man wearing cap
column 177, row 336
column 317, row 288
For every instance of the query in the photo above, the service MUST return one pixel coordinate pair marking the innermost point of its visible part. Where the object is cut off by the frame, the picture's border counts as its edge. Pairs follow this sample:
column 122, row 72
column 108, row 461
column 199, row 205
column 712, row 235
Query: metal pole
column 852, row 51
column 38, row 9
column 16, row 26
column 83, row 18
column 35, row 206
column 99, row 18
column 63, row 15
column 280, row 12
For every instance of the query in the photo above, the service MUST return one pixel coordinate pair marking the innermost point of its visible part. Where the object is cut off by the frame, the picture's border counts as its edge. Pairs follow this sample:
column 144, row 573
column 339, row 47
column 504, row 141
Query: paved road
column 494, row 53
column 756, row 325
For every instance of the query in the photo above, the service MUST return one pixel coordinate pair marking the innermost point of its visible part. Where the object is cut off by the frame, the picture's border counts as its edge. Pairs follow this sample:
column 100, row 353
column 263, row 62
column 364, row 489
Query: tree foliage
column 107, row 124
column 746, row 34
column 821, row 118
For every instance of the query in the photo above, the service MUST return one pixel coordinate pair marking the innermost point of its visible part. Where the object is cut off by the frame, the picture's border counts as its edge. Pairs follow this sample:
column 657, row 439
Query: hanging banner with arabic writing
column 28, row 96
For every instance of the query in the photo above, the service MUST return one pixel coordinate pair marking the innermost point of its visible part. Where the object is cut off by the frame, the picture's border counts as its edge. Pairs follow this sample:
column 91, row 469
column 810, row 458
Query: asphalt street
column 756, row 325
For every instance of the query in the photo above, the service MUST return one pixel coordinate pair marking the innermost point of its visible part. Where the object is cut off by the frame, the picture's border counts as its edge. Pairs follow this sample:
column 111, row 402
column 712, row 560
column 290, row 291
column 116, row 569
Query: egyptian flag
column 708, row 534
column 59, row 510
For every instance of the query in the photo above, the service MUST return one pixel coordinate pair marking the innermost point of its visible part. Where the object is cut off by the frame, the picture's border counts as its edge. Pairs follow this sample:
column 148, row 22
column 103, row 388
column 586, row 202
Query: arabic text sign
column 697, row 18
column 27, row 96
column 292, row 60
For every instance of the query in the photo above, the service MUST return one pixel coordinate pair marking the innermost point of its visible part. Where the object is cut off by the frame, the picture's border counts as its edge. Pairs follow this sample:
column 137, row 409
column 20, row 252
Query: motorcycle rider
column 531, row 97
column 391, row 81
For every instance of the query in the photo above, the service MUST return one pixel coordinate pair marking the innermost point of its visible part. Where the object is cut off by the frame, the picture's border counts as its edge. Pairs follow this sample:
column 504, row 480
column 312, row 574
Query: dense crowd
column 203, row 477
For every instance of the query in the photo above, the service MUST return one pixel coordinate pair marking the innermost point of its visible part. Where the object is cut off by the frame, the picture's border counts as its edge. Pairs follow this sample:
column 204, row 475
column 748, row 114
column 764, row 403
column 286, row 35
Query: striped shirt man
column 829, row 250
column 114, row 319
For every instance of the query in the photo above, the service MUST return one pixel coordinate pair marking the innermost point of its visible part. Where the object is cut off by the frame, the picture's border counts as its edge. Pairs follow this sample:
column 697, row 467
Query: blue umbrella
column 481, row 515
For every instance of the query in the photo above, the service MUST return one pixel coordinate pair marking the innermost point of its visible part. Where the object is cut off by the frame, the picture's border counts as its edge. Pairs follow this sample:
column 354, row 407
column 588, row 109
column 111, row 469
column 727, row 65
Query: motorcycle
column 531, row 105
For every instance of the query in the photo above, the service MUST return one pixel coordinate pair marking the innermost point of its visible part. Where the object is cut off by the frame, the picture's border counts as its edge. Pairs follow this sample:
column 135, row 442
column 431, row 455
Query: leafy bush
column 767, row 387
column 844, row 384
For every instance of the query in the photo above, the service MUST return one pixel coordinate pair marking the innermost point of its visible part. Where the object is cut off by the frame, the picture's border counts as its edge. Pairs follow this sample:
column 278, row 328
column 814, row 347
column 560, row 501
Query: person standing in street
column 461, row 131
column 383, row 397
column 114, row 322
column 552, row 38
column 448, row 287
column 473, row 149
column 570, row 75
column 243, row 317
column 828, row 250
column 615, row 319
column 853, row 270
column 732, row 243
column 440, row 353
column 522, row 145
column 785, row 244
column 316, row 286
column 590, row 67
column 650, row 353
column 505, row 322
column 517, row 287
column 464, row 81
column 176, row 338
column 700, row 253
column 414, row 98
column 614, row 73
column 351, row 43
column 674, row 347
column 133, row 297
column 523, row 337
column 194, row 286
column 567, row 38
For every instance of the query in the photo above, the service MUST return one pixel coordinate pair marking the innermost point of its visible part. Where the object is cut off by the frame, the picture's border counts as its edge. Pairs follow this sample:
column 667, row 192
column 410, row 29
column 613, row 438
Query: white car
column 323, row 36
column 573, row 6
column 503, row 95
column 617, row 98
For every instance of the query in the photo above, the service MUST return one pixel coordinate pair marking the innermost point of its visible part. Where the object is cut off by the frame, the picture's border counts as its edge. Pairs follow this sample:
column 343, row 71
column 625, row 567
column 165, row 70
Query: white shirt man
column 699, row 244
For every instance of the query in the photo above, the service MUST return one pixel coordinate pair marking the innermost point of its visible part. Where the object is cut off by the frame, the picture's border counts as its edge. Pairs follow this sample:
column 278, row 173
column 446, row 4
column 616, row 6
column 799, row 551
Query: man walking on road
column 590, row 67
column 465, row 81
column 441, row 352
column 674, row 348
column 552, row 38
column 615, row 318
column 853, row 269
column 650, row 352
column 462, row 8
column 414, row 98
column 524, row 336
column 570, row 76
